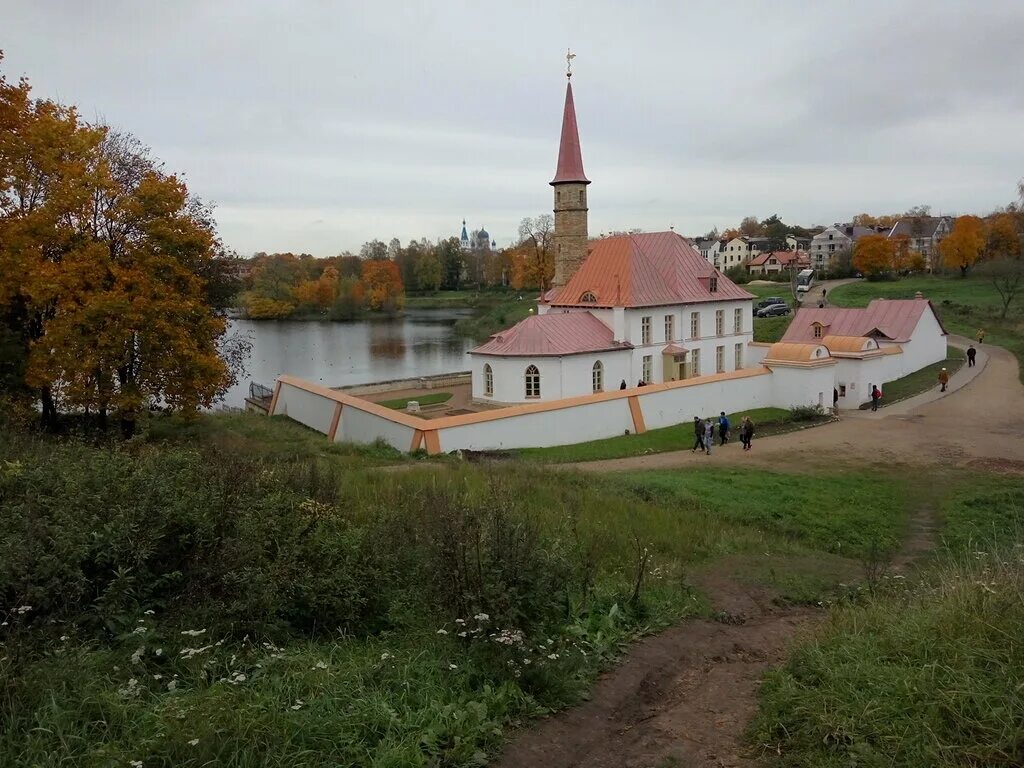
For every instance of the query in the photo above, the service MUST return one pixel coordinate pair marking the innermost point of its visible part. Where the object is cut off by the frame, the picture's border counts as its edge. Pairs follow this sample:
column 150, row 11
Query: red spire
column 570, row 159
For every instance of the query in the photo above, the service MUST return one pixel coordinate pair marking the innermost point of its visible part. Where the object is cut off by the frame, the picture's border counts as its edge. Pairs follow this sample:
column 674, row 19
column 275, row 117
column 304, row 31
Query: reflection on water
column 337, row 354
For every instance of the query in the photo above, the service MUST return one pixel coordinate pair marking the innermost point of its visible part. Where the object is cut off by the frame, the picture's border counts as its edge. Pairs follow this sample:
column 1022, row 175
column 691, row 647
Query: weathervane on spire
column 569, row 56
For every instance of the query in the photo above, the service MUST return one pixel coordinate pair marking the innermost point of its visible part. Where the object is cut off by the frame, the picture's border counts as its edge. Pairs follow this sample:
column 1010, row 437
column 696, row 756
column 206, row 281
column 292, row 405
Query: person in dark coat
column 943, row 379
column 623, row 384
column 971, row 354
column 747, row 433
column 698, row 433
column 835, row 399
column 876, row 395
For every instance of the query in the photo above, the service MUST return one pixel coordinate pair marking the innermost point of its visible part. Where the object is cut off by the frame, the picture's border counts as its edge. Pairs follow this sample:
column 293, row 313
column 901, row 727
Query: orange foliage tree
column 964, row 245
column 102, row 255
column 873, row 255
column 382, row 283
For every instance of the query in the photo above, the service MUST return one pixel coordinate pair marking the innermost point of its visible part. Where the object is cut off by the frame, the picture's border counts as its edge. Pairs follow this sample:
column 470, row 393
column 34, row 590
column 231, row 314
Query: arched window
column 597, row 377
column 588, row 298
column 488, row 380
column 532, row 382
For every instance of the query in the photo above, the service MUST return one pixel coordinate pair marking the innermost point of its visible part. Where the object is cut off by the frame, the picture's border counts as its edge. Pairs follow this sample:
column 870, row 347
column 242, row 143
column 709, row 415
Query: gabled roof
column 892, row 319
column 553, row 334
column 783, row 257
column 916, row 226
column 570, row 158
column 645, row 270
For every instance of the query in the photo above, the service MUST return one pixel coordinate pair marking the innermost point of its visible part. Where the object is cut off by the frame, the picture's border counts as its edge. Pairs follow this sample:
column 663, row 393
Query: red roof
column 893, row 319
column 643, row 270
column 558, row 333
column 570, row 158
column 783, row 257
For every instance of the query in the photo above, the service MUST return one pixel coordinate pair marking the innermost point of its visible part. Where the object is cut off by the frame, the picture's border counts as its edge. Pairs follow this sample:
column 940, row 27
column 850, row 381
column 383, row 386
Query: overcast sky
column 314, row 126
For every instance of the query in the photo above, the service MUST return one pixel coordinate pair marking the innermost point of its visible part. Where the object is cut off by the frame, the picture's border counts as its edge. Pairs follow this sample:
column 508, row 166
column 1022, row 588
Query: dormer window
column 817, row 330
column 713, row 285
column 588, row 298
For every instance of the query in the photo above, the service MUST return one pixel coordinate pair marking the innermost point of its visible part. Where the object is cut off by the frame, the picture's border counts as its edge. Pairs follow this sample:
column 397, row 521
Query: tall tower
column 570, row 185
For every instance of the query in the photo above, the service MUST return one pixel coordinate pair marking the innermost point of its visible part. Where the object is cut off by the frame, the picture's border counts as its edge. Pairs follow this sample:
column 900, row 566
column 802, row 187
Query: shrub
column 805, row 413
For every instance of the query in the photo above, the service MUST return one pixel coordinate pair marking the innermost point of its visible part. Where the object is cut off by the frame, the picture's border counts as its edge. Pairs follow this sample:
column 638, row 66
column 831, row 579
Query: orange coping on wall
column 273, row 400
column 417, row 441
column 446, row 422
column 639, row 427
column 334, row 423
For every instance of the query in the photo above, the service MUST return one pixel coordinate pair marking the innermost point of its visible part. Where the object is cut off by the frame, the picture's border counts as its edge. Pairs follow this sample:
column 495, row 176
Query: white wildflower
column 238, row 678
column 462, row 634
column 159, row 652
column 173, row 685
column 385, row 656
column 320, row 665
column 460, row 621
column 442, row 631
column 63, row 638
column 552, row 656
column 22, row 609
column 139, row 652
column 193, row 632
column 453, row 666
column 135, row 764
column 158, row 676
column 150, row 612
column 193, row 742
column 139, row 631
column 481, row 617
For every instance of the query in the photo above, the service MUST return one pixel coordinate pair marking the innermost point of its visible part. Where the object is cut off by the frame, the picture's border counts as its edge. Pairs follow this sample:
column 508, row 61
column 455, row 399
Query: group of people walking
column 704, row 433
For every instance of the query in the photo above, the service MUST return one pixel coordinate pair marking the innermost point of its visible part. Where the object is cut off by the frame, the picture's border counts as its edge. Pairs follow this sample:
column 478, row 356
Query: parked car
column 769, row 301
column 775, row 310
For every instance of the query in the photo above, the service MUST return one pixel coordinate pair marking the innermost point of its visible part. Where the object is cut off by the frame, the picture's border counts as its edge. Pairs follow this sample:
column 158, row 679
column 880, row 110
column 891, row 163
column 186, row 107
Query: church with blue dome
column 479, row 240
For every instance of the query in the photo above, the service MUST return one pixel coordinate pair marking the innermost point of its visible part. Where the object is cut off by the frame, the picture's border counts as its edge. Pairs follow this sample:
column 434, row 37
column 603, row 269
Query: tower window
column 532, row 382
column 581, row 195
column 488, row 380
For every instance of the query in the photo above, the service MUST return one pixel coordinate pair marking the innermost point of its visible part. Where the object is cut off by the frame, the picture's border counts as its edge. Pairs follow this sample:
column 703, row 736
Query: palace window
column 588, row 298
column 713, row 284
column 532, row 382
column 817, row 331
column 738, row 354
column 648, row 367
column 694, row 325
column 695, row 362
column 720, row 359
column 597, row 377
column 645, row 330
column 488, row 380
column 670, row 327
column 719, row 322
column 737, row 320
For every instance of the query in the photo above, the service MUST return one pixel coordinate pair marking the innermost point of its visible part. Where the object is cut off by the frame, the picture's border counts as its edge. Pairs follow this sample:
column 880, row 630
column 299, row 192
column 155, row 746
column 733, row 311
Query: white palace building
column 637, row 332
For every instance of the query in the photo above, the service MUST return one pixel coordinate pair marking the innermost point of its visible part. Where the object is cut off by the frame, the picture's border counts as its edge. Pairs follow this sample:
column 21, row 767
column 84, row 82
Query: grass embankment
column 922, row 380
column 963, row 304
column 767, row 421
column 199, row 597
column 917, row 673
column 424, row 400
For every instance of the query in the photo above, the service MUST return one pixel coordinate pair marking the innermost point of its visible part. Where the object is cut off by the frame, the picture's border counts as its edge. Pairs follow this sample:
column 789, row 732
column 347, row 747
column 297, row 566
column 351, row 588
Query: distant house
column 774, row 262
column 925, row 233
column 795, row 243
column 709, row 248
column 832, row 241
column 740, row 250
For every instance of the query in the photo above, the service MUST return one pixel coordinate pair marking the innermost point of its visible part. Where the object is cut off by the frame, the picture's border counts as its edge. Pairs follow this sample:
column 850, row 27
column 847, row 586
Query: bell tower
column 570, row 186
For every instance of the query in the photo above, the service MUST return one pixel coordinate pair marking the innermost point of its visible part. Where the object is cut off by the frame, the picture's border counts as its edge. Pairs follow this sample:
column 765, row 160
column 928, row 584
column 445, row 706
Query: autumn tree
column 1002, row 236
column 963, row 247
column 533, row 258
column 103, row 254
column 373, row 250
column 751, row 227
column 901, row 253
column 1004, row 266
column 383, row 285
column 873, row 255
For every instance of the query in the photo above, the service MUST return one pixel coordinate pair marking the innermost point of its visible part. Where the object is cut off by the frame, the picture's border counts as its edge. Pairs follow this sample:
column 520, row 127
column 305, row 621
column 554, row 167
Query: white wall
column 794, row 386
column 564, row 426
column 678, row 406
column 362, row 427
column 927, row 345
column 859, row 375
column 560, row 377
column 307, row 408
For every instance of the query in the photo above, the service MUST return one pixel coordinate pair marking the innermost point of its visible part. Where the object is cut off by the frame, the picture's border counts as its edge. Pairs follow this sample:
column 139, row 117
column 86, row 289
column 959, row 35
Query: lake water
column 421, row 343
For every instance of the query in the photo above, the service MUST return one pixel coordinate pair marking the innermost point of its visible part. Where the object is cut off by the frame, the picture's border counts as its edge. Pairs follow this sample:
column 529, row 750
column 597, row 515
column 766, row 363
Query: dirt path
column 979, row 424
column 684, row 697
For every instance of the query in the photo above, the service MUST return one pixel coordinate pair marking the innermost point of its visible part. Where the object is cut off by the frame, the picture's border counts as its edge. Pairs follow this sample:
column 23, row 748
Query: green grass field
column 432, row 399
column 200, row 598
column 925, row 672
column 769, row 421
